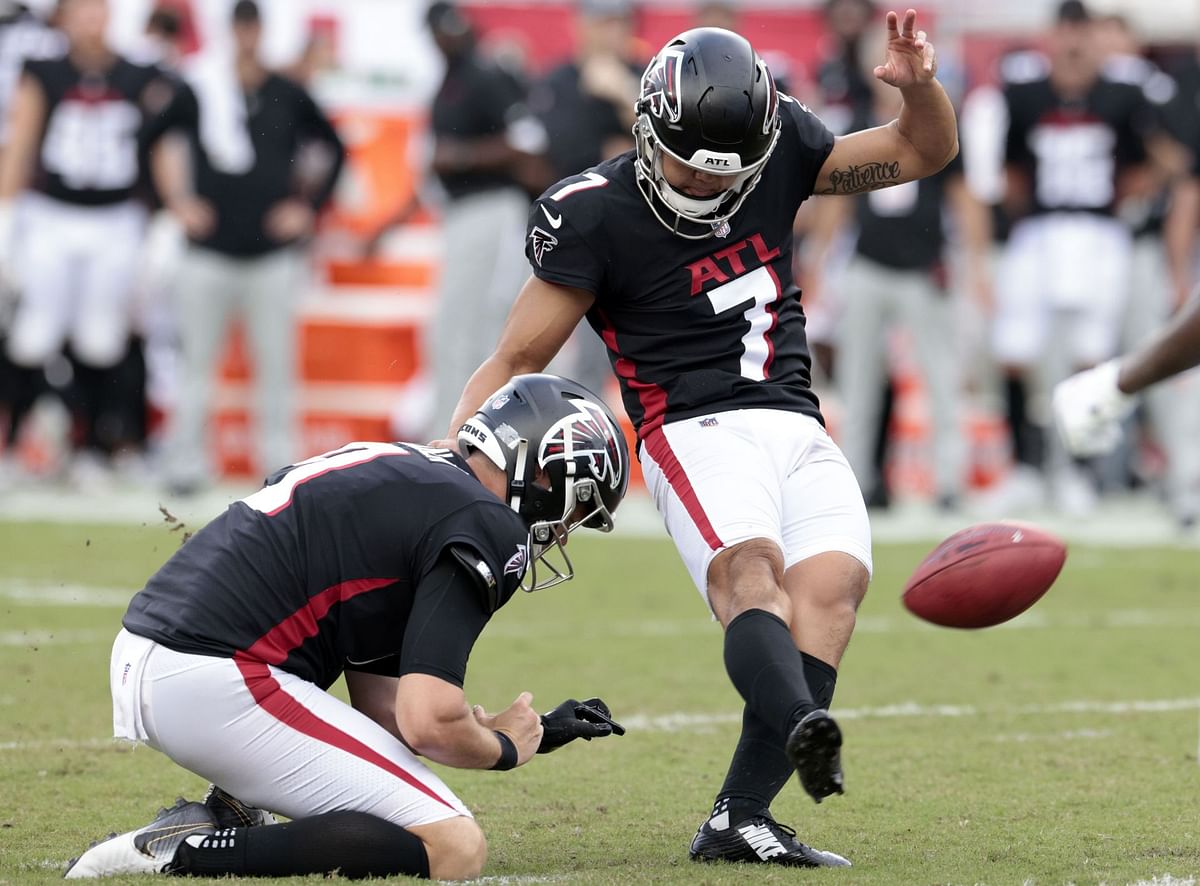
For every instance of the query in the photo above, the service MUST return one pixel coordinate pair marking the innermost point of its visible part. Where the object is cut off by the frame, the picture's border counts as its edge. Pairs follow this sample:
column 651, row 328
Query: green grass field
column 1061, row 748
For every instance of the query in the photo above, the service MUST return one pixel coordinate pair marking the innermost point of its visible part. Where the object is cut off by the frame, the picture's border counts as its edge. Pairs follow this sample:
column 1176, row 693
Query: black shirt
column 476, row 99
column 1182, row 114
column 281, row 118
column 577, row 124
column 901, row 226
column 692, row 326
column 1074, row 150
column 325, row 568
column 846, row 93
column 88, row 152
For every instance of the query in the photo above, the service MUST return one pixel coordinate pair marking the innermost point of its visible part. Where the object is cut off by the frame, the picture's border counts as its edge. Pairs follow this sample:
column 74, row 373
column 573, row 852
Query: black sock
column 1027, row 438
column 821, row 679
column 761, row 659
column 757, row 773
column 24, row 386
column 355, row 844
column 759, row 768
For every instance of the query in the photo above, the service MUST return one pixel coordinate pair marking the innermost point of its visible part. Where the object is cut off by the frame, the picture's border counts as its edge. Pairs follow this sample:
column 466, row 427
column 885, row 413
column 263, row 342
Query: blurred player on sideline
column 898, row 277
column 1090, row 406
column 487, row 152
column 586, row 106
column 23, row 36
column 679, row 254
column 230, row 179
column 1160, row 270
column 384, row 562
column 82, row 224
column 1074, row 150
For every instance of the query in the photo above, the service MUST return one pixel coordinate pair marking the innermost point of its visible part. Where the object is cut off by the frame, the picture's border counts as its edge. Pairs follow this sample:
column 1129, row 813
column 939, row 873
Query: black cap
column 1073, row 11
column 444, row 17
column 246, row 12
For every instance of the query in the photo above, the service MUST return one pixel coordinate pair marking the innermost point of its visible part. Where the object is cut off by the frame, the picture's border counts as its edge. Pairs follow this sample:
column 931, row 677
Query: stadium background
column 1059, row 748
column 361, row 318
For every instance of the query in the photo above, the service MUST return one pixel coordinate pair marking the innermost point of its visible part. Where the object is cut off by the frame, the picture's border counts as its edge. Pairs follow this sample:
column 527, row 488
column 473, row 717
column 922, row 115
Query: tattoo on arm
column 866, row 177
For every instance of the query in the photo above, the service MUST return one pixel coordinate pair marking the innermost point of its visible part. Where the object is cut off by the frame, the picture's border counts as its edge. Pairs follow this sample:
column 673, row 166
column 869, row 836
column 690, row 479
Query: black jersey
column 281, row 118
column 578, row 124
column 89, row 148
column 692, row 326
column 476, row 99
column 317, row 571
column 1073, row 150
column 901, row 227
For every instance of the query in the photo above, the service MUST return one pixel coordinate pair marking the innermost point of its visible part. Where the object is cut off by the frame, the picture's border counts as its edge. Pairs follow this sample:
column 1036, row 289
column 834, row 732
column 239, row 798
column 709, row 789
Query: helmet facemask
column 582, row 507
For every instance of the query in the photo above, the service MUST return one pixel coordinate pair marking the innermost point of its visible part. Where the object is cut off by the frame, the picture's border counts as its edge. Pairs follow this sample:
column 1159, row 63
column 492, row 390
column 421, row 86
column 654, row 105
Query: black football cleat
column 761, row 840
column 815, row 749
column 230, row 812
column 148, row 850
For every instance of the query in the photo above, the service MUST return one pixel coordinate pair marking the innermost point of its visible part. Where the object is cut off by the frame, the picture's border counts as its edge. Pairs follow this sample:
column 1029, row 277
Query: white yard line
column 1066, row 735
column 1128, row 521
column 56, row 638
column 42, row 593
column 903, row 624
column 680, row 721
column 57, row 744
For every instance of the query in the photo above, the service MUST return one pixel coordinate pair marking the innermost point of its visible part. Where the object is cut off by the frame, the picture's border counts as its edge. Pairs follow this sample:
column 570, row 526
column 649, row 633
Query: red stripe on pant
column 272, row 699
column 660, row 450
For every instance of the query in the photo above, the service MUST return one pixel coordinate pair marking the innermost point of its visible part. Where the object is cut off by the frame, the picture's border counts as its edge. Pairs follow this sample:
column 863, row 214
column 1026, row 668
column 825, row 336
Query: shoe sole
column 813, row 748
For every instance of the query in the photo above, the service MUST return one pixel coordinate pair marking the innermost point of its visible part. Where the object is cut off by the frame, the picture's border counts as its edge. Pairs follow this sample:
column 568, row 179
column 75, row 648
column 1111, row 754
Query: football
column 984, row 575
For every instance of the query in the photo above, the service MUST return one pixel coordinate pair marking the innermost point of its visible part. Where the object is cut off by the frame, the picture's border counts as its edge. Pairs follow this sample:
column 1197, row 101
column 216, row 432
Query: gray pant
column 1172, row 406
column 483, row 268
column 877, row 298
column 263, row 290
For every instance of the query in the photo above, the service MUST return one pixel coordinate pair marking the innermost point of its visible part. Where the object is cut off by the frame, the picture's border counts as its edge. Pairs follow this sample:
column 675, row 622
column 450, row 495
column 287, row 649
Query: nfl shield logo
column 722, row 229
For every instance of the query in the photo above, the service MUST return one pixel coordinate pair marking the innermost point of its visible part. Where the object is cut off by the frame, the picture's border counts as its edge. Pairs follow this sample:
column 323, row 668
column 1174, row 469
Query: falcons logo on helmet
column 772, row 101
column 592, row 436
column 543, row 242
column 660, row 85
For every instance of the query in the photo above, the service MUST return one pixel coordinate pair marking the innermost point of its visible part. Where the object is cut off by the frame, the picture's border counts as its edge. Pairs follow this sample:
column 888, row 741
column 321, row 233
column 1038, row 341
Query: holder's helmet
column 709, row 102
column 543, row 423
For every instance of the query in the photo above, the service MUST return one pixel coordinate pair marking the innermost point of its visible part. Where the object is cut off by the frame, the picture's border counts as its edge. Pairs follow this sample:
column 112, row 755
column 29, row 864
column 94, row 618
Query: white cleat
column 148, row 850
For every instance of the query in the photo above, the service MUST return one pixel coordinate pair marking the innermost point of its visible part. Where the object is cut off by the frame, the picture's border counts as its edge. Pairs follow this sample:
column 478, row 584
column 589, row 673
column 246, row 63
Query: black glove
column 573, row 719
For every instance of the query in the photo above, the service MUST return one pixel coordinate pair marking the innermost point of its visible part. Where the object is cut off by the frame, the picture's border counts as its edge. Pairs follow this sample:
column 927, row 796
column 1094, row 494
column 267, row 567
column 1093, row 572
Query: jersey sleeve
column 491, row 540
column 182, row 112
column 39, row 71
column 809, row 138
column 447, row 617
column 557, row 241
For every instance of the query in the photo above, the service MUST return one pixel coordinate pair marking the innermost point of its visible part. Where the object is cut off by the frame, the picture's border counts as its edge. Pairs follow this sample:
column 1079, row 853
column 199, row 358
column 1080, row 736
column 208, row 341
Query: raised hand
column 910, row 57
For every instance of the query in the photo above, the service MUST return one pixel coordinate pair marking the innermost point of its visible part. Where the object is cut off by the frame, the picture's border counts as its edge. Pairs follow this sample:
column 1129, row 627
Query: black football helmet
column 709, row 101
column 546, row 423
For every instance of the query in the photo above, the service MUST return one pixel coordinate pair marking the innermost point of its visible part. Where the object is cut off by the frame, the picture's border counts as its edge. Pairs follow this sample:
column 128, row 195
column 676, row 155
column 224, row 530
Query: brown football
column 984, row 575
